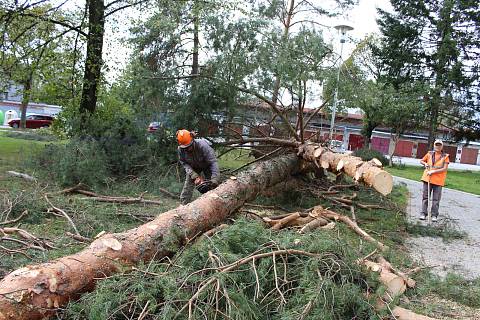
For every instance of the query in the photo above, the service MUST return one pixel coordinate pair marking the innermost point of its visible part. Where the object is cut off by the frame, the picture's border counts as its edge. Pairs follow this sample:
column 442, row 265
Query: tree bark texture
column 93, row 63
column 27, row 89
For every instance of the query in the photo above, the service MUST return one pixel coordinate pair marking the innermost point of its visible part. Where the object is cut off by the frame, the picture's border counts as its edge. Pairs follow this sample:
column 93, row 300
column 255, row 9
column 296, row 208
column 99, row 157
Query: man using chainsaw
column 436, row 165
column 200, row 163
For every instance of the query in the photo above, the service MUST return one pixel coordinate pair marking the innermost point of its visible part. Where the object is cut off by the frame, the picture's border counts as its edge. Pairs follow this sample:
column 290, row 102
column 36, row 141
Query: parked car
column 153, row 126
column 34, row 121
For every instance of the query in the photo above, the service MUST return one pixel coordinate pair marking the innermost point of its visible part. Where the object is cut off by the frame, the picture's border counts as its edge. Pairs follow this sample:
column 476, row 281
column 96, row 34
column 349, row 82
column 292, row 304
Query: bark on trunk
column 93, row 62
column 37, row 291
column 196, row 39
column 27, row 89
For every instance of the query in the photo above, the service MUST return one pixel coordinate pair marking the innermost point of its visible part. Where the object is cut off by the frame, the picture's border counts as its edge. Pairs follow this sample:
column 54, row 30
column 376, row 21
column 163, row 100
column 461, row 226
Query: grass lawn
column 468, row 181
column 234, row 159
column 15, row 150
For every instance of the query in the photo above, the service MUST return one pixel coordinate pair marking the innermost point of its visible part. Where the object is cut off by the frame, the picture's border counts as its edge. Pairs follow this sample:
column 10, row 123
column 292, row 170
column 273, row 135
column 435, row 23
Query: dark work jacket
column 202, row 157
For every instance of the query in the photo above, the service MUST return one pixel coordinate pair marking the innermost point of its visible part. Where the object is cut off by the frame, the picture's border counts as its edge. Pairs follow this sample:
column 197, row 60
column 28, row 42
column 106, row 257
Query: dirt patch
column 443, row 309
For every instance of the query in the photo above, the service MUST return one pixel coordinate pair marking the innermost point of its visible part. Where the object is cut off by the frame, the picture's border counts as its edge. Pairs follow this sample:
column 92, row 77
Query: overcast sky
column 362, row 17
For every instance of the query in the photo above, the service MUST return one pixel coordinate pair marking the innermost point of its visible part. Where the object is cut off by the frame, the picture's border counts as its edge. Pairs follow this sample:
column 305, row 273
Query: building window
column 4, row 96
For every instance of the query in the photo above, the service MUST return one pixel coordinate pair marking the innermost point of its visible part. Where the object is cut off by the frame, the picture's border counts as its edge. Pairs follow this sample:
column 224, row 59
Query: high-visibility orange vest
column 436, row 162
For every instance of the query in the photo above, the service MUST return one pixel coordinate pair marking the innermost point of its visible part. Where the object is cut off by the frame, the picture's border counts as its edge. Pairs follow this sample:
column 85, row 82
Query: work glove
column 215, row 180
column 198, row 181
column 194, row 175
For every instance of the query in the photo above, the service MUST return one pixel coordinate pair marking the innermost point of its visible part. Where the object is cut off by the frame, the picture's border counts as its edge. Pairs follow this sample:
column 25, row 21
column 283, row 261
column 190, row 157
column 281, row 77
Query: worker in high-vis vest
column 436, row 165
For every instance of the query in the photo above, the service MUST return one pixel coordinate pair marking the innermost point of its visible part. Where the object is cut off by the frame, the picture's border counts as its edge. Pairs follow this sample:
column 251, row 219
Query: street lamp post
column 343, row 28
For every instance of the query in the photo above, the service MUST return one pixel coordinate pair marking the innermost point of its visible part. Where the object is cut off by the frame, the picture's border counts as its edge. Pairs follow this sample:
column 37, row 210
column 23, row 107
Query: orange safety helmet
column 184, row 138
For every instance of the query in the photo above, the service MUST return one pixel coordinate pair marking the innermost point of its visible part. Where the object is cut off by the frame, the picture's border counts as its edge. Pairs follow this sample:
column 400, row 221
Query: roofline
column 31, row 104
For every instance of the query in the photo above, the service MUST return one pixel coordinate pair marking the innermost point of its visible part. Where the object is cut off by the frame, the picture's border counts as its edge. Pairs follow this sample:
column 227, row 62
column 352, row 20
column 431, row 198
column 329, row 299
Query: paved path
column 452, row 165
column 457, row 207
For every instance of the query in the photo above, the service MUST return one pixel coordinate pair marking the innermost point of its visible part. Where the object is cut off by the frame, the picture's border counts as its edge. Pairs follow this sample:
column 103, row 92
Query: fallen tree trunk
column 369, row 172
column 37, row 291
column 395, row 284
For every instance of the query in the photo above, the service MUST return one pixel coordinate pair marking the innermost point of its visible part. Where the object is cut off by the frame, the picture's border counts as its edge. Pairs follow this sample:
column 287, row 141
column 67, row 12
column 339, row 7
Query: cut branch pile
column 317, row 217
column 21, row 240
column 393, row 279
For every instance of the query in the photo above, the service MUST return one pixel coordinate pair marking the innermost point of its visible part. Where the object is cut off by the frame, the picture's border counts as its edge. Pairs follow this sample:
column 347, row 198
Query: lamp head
column 343, row 28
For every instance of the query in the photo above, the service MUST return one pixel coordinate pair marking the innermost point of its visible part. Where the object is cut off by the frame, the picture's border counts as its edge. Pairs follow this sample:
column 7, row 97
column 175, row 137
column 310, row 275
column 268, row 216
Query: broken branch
column 58, row 210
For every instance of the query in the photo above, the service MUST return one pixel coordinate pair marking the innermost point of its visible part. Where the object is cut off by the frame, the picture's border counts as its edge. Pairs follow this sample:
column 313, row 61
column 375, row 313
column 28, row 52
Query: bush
column 369, row 154
column 77, row 161
column 114, row 146
column 116, row 133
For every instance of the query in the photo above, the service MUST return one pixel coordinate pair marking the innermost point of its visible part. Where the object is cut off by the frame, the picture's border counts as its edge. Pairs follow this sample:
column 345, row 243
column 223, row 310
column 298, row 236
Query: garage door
column 452, row 152
column 355, row 142
column 403, row 148
column 338, row 137
column 422, row 150
column 469, row 156
column 381, row 144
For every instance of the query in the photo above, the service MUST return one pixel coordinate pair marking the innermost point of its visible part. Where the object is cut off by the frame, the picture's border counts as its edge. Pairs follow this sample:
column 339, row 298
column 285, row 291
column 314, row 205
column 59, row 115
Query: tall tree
column 29, row 48
column 93, row 61
column 97, row 12
column 403, row 110
column 437, row 41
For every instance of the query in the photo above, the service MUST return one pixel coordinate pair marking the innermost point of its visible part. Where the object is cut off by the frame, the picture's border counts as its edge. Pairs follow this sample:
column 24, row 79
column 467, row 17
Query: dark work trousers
column 435, row 196
column 189, row 186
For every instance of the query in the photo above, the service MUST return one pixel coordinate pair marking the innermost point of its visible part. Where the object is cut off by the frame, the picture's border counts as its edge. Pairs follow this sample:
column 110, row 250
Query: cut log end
column 324, row 164
column 340, row 165
column 395, row 284
column 383, row 182
column 318, row 153
column 377, row 162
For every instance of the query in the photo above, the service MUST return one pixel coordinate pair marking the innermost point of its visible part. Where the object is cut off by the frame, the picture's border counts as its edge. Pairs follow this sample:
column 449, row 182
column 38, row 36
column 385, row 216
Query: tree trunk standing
column 93, row 62
column 444, row 27
column 288, row 21
column 196, row 39
column 27, row 90
column 367, row 132
column 432, row 128
column 192, row 121
column 395, row 138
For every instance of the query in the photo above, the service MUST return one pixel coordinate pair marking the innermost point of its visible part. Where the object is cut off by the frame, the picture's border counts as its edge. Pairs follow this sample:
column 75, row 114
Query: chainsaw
column 206, row 186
